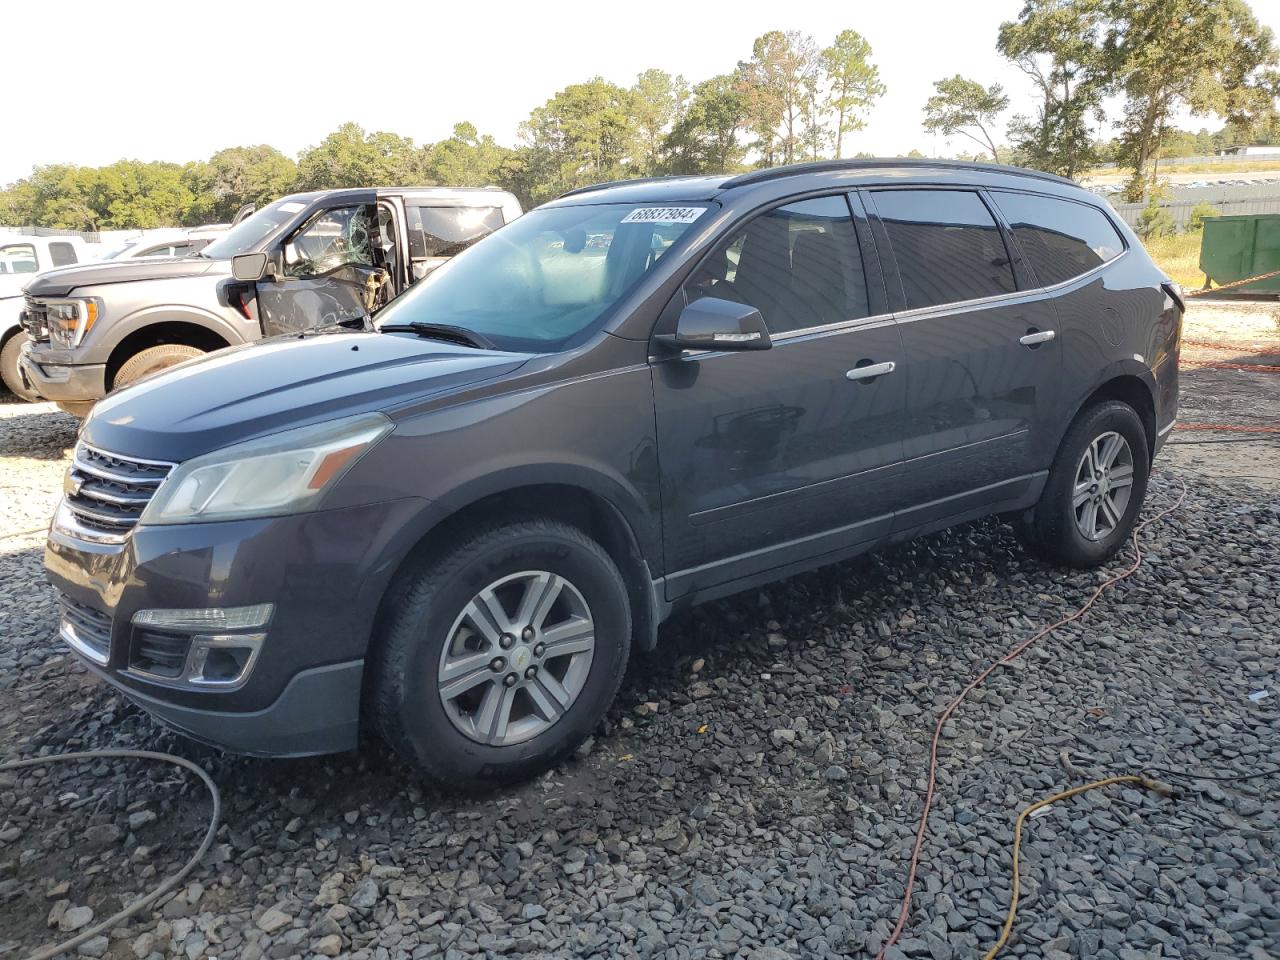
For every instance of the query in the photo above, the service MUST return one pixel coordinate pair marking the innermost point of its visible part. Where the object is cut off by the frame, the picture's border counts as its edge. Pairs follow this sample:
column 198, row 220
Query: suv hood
column 257, row 389
column 62, row 281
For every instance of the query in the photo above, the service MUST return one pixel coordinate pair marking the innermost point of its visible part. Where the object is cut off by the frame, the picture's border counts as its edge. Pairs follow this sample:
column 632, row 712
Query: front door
column 983, row 364
column 334, row 271
column 776, row 456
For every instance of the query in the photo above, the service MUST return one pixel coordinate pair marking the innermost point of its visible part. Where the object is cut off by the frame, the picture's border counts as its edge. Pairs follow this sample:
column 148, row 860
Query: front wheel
column 1095, row 489
column 9, row 371
column 502, row 654
column 149, row 362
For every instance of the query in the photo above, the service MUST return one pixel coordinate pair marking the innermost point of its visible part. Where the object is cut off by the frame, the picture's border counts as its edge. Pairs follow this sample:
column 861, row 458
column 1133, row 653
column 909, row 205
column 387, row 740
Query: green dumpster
column 1233, row 248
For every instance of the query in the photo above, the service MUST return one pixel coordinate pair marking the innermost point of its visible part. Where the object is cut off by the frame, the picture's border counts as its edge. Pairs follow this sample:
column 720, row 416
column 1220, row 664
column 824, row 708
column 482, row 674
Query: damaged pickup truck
column 308, row 260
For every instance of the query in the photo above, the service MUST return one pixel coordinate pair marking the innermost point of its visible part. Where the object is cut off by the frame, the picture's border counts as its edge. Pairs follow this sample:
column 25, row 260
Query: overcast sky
column 176, row 81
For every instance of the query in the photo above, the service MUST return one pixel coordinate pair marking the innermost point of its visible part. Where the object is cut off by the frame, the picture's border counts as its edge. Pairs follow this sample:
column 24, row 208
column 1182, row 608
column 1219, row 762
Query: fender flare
column 153, row 314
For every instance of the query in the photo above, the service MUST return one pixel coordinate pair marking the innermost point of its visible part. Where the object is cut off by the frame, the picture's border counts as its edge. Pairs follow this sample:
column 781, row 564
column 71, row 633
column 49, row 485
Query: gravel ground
column 754, row 792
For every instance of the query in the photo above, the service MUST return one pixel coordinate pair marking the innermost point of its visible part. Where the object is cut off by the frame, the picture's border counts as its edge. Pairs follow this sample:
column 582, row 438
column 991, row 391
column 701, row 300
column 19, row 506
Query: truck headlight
column 271, row 476
column 69, row 320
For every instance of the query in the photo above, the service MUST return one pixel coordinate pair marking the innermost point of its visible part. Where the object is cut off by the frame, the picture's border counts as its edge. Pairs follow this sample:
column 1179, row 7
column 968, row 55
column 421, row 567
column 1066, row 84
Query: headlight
column 70, row 320
column 281, row 474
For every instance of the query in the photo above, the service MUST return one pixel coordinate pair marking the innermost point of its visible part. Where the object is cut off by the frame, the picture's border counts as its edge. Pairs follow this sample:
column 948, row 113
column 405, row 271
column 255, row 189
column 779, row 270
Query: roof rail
column 825, row 166
column 591, row 188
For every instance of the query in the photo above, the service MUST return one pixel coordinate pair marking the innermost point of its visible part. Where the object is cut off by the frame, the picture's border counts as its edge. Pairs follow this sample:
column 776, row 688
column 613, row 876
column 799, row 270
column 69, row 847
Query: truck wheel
column 502, row 654
column 9, row 372
column 151, row 361
column 1095, row 489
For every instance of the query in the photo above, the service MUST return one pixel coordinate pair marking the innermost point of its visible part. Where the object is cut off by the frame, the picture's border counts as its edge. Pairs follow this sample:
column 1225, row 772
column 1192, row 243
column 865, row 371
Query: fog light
column 207, row 618
column 222, row 662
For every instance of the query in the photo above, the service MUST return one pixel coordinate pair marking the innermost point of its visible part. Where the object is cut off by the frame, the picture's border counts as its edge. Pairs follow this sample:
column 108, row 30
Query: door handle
column 871, row 370
column 1034, row 338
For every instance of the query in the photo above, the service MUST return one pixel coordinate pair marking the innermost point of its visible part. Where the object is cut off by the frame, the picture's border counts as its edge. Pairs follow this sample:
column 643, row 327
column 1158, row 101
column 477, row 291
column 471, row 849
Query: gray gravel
column 754, row 792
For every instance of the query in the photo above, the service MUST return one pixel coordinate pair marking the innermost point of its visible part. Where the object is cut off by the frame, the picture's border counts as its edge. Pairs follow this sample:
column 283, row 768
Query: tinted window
column 1061, row 239
column 946, row 244
column 799, row 265
column 61, row 253
column 447, row 231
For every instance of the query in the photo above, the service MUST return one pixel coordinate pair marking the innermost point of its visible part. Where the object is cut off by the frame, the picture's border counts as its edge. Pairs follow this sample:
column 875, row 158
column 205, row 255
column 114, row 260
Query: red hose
column 977, row 681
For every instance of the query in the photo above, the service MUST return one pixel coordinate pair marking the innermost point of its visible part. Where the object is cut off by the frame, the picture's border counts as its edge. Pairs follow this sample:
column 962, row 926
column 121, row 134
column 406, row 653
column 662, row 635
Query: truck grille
column 106, row 493
column 35, row 322
column 87, row 630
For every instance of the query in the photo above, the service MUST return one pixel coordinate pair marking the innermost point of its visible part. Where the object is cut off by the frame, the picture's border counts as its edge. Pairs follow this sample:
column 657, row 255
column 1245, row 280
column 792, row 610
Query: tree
column 584, row 134
column 853, row 83
column 466, row 159
column 657, row 102
column 349, row 157
column 1206, row 56
column 236, row 176
column 1058, row 44
column 705, row 138
column 963, row 106
column 778, row 87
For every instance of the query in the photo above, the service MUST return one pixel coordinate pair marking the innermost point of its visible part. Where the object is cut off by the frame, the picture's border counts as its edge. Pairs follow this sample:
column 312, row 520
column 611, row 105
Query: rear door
column 776, row 456
column 982, row 364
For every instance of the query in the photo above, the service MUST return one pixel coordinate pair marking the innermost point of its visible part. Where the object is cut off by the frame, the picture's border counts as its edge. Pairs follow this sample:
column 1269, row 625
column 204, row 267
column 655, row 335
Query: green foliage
column 586, row 133
column 853, row 83
column 349, row 157
column 1155, row 220
column 1206, row 56
column 657, row 103
column 705, row 138
column 964, row 106
column 1199, row 213
column 468, row 159
column 234, row 177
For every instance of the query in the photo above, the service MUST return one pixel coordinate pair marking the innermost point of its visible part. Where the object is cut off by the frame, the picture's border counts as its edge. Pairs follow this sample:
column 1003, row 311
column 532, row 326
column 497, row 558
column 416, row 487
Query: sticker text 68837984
column 664, row 215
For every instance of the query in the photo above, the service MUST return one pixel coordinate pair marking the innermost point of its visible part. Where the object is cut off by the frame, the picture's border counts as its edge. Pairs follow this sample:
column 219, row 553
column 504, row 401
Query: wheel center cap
column 521, row 657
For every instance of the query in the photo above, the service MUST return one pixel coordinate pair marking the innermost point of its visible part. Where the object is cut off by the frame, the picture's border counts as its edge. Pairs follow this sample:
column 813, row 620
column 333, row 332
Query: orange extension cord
column 977, row 681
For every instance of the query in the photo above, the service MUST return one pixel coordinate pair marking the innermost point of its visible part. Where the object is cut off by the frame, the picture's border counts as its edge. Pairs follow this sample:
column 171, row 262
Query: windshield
column 547, row 277
column 247, row 234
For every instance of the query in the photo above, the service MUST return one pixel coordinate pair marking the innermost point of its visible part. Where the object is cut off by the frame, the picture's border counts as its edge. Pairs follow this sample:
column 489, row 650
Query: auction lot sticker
column 664, row 215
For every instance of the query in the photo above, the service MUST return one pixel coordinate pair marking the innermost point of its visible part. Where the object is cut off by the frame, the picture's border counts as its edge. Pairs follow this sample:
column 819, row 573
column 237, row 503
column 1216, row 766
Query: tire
column 432, row 628
column 151, row 361
column 9, row 372
column 1053, row 528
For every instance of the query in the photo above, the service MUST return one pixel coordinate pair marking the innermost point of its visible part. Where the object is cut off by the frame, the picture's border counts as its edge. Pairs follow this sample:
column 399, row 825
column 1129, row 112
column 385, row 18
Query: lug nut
column 539, row 649
column 498, row 664
column 511, row 679
column 531, row 673
column 527, row 633
column 506, row 641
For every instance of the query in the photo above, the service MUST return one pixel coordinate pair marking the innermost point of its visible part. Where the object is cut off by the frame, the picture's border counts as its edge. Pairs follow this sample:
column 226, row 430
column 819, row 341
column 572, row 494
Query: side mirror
column 249, row 266
column 710, row 323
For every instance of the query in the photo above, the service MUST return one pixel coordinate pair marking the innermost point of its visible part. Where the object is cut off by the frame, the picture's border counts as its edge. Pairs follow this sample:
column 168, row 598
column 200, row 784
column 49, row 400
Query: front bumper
column 61, row 382
column 324, row 573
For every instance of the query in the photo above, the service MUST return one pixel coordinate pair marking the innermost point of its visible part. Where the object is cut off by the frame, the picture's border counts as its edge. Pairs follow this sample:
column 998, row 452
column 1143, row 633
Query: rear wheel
column 9, row 372
column 152, row 360
column 502, row 654
column 1095, row 489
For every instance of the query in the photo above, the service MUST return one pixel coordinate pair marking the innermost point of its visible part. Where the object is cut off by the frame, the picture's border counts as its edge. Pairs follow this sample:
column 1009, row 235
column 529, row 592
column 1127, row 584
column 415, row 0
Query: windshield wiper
column 442, row 331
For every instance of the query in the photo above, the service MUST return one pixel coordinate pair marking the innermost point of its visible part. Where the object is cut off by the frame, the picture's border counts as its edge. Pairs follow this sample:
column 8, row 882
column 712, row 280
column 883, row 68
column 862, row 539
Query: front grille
column 107, row 493
column 36, row 322
column 86, row 629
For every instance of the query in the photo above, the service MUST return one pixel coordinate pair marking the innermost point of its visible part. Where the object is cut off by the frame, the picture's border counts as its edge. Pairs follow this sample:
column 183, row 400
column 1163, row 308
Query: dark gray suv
column 453, row 530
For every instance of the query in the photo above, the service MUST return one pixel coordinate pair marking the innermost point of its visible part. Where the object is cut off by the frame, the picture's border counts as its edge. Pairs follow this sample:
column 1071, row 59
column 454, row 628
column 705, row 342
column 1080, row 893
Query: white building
column 1251, row 150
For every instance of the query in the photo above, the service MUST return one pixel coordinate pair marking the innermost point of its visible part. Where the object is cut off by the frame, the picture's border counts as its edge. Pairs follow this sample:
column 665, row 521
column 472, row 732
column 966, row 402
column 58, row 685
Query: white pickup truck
column 20, row 258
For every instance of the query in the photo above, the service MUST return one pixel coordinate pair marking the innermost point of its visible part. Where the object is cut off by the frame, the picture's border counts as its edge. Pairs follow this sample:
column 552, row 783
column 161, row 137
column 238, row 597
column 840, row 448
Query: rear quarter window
column 447, row 231
column 1061, row 239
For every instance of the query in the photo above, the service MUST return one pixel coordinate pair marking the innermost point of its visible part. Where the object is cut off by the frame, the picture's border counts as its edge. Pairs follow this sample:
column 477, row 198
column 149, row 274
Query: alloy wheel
column 1103, row 485
column 516, row 658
